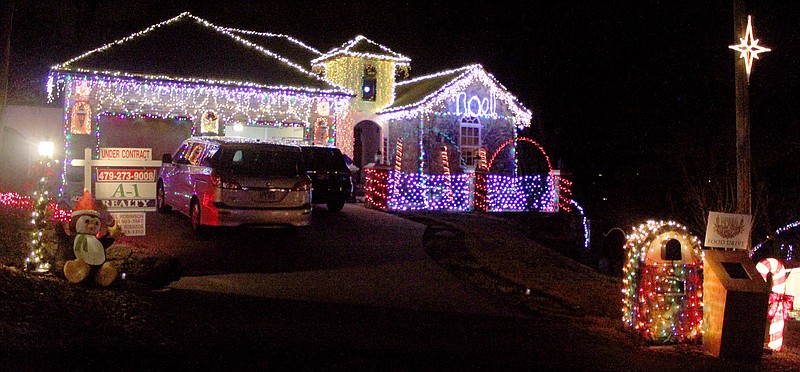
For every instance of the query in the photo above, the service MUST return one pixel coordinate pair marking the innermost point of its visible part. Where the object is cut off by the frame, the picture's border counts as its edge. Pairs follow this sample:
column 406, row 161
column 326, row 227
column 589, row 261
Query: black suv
column 330, row 177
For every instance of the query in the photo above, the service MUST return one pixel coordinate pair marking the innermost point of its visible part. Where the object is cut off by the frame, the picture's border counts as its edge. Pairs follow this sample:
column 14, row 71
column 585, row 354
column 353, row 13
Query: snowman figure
column 89, row 250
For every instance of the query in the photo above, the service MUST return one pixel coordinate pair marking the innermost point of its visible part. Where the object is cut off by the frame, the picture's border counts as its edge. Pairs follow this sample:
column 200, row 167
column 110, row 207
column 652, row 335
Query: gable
column 189, row 49
column 468, row 91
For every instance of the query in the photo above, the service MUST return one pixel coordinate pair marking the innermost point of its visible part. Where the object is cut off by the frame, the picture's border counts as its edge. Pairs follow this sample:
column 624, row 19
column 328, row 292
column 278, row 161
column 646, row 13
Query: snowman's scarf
column 81, row 243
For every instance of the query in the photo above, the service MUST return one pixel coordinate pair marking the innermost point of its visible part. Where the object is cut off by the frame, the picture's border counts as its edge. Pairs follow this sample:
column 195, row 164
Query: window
column 470, row 140
column 180, row 156
column 194, row 156
column 369, row 82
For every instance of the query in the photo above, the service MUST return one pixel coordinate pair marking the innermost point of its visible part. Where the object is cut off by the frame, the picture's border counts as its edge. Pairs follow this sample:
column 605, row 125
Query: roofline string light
column 467, row 75
column 344, row 50
column 270, row 34
column 169, row 99
column 66, row 65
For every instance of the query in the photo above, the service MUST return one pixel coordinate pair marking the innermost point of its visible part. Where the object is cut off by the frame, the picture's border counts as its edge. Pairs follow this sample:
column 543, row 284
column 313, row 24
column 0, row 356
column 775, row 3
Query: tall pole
column 743, row 189
column 5, row 57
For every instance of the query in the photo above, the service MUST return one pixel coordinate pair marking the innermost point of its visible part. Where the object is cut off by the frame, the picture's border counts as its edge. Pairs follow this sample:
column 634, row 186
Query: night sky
column 639, row 94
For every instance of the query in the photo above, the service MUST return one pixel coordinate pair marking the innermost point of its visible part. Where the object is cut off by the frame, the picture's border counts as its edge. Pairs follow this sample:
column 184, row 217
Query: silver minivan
column 235, row 181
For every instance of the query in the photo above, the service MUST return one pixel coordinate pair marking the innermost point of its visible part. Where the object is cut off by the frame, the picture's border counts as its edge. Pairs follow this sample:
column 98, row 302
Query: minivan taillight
column 223, row 182
column 303, row 185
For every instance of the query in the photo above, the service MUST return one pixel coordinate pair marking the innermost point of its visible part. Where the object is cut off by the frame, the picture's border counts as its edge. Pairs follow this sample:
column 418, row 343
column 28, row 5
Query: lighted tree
column 40, row 217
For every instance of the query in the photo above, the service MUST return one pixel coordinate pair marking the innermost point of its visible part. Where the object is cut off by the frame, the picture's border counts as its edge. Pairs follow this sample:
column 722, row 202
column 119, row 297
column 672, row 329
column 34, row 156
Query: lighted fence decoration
column 663, row 284
column 779, row 302
column 419, row 191
column 391, row 190
column 522, row 193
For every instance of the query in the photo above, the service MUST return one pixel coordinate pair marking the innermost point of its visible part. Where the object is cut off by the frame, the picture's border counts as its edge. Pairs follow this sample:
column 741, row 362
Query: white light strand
column 66, row 65
column 398, row 58
column 270, row 34
column 466, row 77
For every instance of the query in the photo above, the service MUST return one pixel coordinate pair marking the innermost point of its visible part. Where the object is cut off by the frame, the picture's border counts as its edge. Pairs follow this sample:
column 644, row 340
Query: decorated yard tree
column 40, row 240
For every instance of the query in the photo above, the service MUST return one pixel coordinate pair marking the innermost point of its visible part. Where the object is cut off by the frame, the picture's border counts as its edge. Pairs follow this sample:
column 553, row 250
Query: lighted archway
column 524, row 139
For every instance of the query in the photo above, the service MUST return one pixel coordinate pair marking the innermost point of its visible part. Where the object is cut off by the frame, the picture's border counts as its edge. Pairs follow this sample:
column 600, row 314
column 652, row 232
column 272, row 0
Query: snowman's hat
column 85, row 206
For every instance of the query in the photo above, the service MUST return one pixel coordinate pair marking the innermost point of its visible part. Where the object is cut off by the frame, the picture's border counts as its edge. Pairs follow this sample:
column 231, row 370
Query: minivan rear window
column 259, row 160
column 324, row 159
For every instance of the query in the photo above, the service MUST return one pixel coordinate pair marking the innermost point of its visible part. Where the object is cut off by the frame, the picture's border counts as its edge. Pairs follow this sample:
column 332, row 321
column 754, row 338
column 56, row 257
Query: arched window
column 469, row 140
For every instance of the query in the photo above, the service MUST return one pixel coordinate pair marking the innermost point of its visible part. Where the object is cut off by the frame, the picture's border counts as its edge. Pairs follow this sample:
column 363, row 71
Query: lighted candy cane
column 448, row 183
column 779, row 303
column 398, row 156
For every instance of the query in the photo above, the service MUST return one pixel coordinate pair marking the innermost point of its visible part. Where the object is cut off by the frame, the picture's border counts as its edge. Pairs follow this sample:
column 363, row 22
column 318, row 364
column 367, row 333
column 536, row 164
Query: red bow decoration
column 778, row 302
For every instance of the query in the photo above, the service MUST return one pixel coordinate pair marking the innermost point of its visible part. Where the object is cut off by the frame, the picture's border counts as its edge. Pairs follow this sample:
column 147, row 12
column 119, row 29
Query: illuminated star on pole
column 748, row 47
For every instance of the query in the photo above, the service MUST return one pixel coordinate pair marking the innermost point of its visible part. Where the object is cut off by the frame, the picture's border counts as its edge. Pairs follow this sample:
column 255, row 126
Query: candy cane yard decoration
column 779, row 302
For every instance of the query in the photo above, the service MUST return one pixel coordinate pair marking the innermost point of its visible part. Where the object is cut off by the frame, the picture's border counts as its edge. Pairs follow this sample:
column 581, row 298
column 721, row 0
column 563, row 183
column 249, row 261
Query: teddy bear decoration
column 90, row 246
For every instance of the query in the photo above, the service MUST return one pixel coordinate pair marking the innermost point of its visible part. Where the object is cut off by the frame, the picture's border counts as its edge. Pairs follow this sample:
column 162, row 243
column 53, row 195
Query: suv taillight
column 224, row 183
column 303, row 185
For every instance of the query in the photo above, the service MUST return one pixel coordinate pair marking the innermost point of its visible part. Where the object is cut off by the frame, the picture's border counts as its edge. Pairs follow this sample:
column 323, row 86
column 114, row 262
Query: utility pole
column 8, row 16
column 743, row 178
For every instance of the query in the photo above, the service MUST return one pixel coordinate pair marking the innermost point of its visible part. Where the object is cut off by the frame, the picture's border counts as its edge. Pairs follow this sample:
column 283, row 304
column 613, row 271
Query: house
column 187, row 76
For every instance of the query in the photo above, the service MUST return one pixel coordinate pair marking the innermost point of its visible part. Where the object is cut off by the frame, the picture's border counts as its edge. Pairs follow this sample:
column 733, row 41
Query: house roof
column 362, row 47
column 284, row 45
column 189, row 49
column 414, row 93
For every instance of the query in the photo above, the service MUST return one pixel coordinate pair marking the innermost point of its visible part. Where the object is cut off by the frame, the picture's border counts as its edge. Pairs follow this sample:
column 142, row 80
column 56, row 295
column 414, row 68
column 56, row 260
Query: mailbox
column 735, row 303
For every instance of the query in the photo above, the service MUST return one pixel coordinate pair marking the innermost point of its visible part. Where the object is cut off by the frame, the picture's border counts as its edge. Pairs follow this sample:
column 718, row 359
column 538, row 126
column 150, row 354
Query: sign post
column 125, row 185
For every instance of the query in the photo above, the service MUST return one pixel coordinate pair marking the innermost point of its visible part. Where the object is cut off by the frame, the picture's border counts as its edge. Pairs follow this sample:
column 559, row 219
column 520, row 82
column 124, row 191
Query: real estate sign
column 132, row 223
column 125, row 178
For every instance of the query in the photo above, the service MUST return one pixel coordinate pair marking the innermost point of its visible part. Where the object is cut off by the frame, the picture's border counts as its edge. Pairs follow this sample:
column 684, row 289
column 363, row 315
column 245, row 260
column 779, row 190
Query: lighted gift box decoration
column 663, row 283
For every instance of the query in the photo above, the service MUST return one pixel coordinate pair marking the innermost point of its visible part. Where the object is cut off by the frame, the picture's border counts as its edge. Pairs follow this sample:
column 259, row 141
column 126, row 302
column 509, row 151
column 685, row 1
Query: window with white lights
column 469, row 140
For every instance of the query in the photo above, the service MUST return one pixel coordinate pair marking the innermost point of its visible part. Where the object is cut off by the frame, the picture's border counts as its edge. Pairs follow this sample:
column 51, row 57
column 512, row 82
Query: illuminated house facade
column 186, row 76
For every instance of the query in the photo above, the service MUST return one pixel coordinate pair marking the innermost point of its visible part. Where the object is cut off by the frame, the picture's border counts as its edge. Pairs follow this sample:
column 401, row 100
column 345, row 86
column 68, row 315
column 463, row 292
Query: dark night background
column 635, row 100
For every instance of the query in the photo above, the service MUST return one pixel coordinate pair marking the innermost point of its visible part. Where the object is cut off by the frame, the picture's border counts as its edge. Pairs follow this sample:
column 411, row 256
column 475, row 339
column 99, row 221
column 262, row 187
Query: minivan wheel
column 195, row 218
column 161, row 204
column 335, row 205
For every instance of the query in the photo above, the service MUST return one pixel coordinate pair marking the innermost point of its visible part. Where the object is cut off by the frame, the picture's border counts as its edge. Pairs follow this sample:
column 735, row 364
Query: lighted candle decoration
column 662, row 283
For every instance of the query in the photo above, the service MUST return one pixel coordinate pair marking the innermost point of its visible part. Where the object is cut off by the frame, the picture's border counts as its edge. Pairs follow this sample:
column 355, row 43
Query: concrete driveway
column 385, row 266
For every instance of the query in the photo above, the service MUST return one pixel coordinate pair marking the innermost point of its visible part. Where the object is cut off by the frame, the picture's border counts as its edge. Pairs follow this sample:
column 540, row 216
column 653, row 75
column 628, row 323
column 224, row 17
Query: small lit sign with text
column 728, row 230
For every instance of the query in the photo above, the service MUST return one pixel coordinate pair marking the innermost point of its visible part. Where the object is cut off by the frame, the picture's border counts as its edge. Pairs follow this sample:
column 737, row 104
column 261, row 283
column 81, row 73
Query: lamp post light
column 46, row 149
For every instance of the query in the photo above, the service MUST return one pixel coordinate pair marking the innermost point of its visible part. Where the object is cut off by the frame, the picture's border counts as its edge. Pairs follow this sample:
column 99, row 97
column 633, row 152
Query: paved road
column 358, row 256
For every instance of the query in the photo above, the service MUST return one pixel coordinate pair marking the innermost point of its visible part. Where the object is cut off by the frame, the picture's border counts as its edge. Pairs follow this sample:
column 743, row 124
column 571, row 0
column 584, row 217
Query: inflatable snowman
column 89, row 250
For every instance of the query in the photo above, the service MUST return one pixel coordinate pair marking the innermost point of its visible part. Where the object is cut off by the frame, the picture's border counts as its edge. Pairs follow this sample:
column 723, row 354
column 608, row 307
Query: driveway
column 358, row 256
